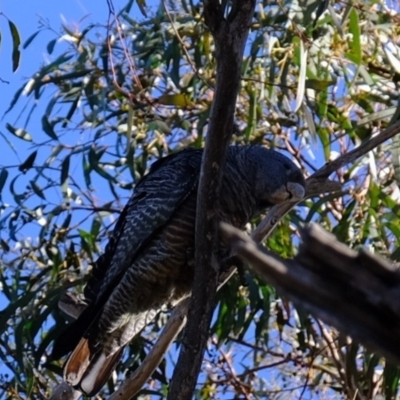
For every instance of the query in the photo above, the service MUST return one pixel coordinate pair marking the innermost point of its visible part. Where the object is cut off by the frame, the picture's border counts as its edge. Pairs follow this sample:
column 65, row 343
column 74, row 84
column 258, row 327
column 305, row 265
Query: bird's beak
column 296, row 190
column 292, row 192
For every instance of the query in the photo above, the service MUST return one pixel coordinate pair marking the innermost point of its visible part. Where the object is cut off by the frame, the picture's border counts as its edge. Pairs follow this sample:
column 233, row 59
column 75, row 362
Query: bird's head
column 276, row 179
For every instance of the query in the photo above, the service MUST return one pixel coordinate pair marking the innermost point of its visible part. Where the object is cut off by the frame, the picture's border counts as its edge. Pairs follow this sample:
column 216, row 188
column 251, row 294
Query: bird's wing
column 169, row 182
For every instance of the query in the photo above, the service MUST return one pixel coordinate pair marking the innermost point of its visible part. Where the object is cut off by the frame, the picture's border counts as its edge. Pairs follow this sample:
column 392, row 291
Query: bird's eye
column 287, row 167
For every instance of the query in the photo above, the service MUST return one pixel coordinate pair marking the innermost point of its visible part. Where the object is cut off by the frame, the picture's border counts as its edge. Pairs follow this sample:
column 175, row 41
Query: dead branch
column 356, row 292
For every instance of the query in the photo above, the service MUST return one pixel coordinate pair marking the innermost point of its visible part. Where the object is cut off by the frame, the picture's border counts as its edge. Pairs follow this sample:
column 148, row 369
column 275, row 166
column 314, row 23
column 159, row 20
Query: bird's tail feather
column 77, row 363
column 69, row 339
column 90, row 372
column 89, row 366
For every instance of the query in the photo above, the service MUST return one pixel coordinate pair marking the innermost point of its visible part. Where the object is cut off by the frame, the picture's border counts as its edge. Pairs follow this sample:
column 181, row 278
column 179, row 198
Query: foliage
column 16, row 42
column 114, row 99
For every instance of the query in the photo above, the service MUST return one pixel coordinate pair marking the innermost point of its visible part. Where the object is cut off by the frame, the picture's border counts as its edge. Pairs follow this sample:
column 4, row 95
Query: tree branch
column 359, row 151
column 356, row 292
column 213, row 15
column 230, row 39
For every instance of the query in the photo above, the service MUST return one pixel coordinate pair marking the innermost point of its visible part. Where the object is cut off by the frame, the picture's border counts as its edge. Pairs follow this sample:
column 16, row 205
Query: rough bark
column 230, row 35
column 356, row 292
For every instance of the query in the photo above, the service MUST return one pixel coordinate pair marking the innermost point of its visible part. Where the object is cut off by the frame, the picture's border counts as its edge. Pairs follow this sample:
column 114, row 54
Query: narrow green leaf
column 159, row 126
column 18, row 132
column 64, row 174
column 18, row 197
column 355, row 54
column 3, row 178
column 129, row 130
column 308, row 117
column 317, row 84
column 71, row 111
column 142, row 7
column 4, row 245
column 86, row 171
column 14, row 100
column 395, row 150
column 63, row 58
column 37, row 189
column 22, row 302
column 252, row 117
column 48, row 128
column 28, row 163
column 30, row 40
column 87, row 241
column 374, row 116
column 393, row 60
column 16, row 42
column 50, row 46
column 302, row 77
column 323, row 134
column 177, row 100
column 95, row 229
column 391, row 375
column 66, row 222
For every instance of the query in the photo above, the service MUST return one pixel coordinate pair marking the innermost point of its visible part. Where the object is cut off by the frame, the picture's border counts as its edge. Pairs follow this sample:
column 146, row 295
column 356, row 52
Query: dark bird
column 148, row 262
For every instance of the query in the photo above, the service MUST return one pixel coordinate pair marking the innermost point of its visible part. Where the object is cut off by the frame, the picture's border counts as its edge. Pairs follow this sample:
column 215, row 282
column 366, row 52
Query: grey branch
column 356, row 292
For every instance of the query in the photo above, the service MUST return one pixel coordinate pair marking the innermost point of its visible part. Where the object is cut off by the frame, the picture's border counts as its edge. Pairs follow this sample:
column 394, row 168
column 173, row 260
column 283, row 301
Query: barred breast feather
column 149, row 259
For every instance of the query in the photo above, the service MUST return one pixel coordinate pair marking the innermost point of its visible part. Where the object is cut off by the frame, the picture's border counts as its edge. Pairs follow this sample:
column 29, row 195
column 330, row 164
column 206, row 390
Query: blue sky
column 26, row 15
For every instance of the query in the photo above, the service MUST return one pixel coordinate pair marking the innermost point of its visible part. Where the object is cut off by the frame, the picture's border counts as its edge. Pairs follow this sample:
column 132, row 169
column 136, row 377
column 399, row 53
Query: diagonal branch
column 356, row 292
column 358, row 152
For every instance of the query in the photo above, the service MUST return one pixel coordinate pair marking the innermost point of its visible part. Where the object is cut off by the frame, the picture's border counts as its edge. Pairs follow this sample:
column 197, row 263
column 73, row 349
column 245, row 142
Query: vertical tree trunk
column 230, row 34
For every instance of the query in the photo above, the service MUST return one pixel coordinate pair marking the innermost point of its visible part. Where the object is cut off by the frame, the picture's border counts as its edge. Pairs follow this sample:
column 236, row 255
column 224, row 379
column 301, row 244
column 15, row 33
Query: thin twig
column 238, row 383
